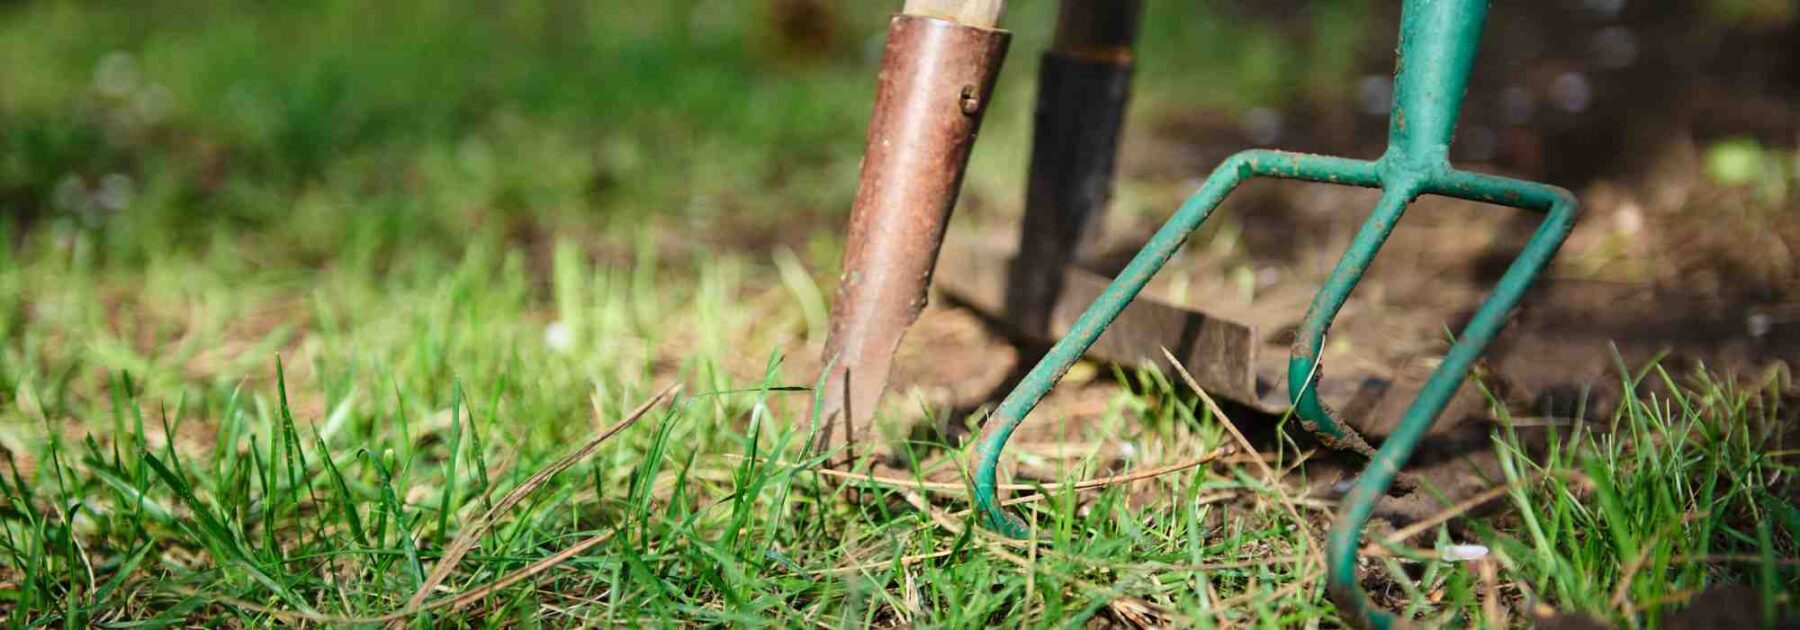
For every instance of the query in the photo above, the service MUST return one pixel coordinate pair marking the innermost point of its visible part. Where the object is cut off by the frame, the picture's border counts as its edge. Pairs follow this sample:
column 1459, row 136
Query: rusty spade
column 937, row 74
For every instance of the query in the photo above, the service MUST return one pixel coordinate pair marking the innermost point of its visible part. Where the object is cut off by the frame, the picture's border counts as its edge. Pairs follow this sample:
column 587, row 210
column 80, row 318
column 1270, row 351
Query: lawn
column 488, row 313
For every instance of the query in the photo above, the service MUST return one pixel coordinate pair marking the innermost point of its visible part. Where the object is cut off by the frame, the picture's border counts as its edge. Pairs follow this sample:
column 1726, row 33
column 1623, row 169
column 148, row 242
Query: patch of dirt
column 1725, row 606
column 1559, row 621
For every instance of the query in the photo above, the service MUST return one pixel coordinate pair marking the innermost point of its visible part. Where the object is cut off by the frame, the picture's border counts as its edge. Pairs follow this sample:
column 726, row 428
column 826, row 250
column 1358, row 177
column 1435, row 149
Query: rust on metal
column 936, row 80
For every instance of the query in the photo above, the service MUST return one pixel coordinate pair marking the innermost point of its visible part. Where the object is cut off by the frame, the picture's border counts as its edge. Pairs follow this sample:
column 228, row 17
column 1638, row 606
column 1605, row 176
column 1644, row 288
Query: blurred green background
column 341, row 128
column 241, row 145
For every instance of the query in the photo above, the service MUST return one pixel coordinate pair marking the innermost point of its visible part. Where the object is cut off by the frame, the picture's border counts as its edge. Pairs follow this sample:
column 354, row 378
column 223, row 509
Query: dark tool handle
column 1083, row 87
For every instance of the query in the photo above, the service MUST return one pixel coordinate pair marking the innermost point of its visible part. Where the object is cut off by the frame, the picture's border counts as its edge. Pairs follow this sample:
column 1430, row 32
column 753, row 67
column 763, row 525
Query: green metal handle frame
column 1438, row 39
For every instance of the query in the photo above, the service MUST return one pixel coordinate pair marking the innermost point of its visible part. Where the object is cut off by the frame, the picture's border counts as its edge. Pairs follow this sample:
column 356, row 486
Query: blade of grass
column 465, row 541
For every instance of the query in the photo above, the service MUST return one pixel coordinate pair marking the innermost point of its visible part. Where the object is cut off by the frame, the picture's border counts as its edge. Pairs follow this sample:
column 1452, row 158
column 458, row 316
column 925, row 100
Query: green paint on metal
column 1438, row 40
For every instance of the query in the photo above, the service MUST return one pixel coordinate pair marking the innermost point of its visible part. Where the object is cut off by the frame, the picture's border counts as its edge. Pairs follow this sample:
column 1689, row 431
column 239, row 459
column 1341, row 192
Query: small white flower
column 1630, row 219
column 1464, row 553
column 558, row 336
column 1760, row 324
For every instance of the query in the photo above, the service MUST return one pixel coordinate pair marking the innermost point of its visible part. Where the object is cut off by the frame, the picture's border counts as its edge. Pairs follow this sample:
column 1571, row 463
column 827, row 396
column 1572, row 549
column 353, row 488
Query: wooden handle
column 982, row 13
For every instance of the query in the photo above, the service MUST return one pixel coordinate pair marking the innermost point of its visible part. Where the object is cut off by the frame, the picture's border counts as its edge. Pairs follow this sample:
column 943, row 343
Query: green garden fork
column 1438, row 40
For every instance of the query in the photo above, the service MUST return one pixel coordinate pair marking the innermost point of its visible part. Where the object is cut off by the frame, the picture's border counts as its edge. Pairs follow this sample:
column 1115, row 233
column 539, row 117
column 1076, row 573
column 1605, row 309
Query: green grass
column 430, row 394
column 296, row 294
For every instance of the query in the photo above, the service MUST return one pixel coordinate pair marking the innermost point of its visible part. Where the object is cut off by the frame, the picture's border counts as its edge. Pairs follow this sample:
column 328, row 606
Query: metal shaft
column 936, row 78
